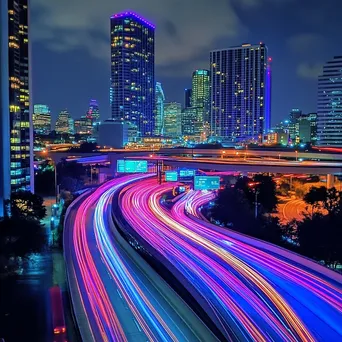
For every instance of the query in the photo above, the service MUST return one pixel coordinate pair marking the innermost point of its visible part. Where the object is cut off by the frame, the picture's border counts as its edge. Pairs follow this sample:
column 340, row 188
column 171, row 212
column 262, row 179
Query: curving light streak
column 97, row 253
column 246, row 288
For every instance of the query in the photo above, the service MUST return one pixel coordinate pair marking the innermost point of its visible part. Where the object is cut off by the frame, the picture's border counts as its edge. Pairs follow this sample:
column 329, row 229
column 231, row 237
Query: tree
column 44, row 179
column 70, row 175
column 323, row 198
column 26, row 205
column 266, row 187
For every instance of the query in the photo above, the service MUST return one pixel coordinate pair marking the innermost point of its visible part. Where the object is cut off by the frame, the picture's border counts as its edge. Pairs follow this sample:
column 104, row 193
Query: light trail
column 119, row 299
column 254, row 294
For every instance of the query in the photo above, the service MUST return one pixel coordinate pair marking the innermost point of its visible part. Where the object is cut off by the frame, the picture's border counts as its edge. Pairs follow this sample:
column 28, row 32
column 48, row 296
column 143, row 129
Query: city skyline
column 298, row 50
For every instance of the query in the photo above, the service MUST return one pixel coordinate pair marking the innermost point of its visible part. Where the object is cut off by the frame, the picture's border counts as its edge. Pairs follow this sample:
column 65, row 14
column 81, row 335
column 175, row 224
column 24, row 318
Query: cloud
column 305, row 42
column 183, row 27
column 309, row 71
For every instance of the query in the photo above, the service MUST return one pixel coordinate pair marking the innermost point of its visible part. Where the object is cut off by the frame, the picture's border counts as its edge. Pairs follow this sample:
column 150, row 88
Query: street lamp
column 256, row 193
column 296, row 155
column 279, row 156
column 223, row 152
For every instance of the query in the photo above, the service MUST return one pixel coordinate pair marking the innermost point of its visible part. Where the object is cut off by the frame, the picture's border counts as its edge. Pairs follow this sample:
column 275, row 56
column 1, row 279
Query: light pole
column 256, row 203
column 279, row 156
column 296, row 155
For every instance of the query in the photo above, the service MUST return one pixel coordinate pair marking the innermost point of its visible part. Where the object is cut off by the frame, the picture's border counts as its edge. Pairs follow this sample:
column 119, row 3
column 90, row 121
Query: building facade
column 159, row 115
column 84, row 125
column 200, row 95
column 172, row 120
column 19, row 127
column 41, row 119
column 329, row 105
column 93, row 112
column 132, row 93
column 240, row 93
column 187, row 97
column 189, row 121
column 64, row 123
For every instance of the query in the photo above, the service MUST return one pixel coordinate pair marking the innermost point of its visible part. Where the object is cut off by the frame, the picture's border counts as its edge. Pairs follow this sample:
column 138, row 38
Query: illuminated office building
column 173, row 119
column 84, row 125
column 64, row 123
column 93, row 112
column 16, row 121
column 132, row 92
column 41, row 119
column 200, row 95
column 189, row 121
column 329, row 105
column 159, row 116
column 240, row 93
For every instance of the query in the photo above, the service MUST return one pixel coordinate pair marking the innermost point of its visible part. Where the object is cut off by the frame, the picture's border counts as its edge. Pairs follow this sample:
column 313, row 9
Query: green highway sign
column 171, row 176
column 206, row 182
column 131, row 166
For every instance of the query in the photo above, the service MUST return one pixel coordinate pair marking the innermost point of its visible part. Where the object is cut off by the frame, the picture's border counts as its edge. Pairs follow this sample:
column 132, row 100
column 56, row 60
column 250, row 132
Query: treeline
column 248, row 205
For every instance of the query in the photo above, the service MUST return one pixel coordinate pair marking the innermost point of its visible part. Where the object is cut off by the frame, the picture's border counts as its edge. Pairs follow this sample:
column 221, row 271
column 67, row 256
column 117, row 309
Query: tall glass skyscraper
column 64, row 123
column 132, row 71
column 159, row 116
column 187, row 97
column 93, row 112
column 239, row 93
column 16, row 118
column 173, row 120
column 41, row 119
column 329, row 106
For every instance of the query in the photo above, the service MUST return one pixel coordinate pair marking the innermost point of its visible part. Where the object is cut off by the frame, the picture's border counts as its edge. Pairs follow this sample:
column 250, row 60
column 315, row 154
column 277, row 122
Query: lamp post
column 296, row 155
column 279, row 156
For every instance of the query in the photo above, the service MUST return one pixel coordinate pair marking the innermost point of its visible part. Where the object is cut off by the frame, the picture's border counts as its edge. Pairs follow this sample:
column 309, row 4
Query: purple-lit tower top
column 133, row 15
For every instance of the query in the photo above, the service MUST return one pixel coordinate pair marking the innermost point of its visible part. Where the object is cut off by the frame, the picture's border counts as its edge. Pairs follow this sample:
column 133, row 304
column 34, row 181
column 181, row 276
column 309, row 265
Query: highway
column 116, row 296
column 256, row 291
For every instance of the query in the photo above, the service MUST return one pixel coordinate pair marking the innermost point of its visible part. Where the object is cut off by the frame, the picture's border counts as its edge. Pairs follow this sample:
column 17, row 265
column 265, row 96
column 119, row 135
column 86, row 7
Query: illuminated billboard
column 131, row 166
column 206, row 182
column 171, row 176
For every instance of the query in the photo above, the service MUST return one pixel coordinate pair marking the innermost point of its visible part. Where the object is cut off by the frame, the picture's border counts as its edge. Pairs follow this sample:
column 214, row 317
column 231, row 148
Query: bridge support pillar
column 330, row 181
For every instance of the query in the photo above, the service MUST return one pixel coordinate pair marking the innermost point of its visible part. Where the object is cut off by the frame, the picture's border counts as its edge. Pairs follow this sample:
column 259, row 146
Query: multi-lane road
column 256, row 291
column 116, row 296
column 251, row 290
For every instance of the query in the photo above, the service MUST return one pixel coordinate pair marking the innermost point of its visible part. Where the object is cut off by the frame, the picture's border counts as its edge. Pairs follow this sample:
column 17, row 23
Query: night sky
column 71, row 46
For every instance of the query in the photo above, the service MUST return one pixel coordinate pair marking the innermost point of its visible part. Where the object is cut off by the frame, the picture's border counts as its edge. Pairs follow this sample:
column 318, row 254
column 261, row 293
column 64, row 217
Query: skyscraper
column 172, row 119
column 132, row 71
column 329, row 105
column 41, row 119
column 189, row 120
column 64, row 123
column 200, row 95
column 16, row 120
column 187, row 97
column 5, row 173
column 93, row 112
column 160, row 99
column 238, row 92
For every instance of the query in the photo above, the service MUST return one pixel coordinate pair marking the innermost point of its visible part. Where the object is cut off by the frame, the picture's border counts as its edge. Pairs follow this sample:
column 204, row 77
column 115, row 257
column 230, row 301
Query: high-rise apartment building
column 64, row 123
column 132, row 93
column 172, row 119
column 41, row 119
column 16, row 118
column 329, row 105
column 159, row 115
column 187, row 97
column 239, row 93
